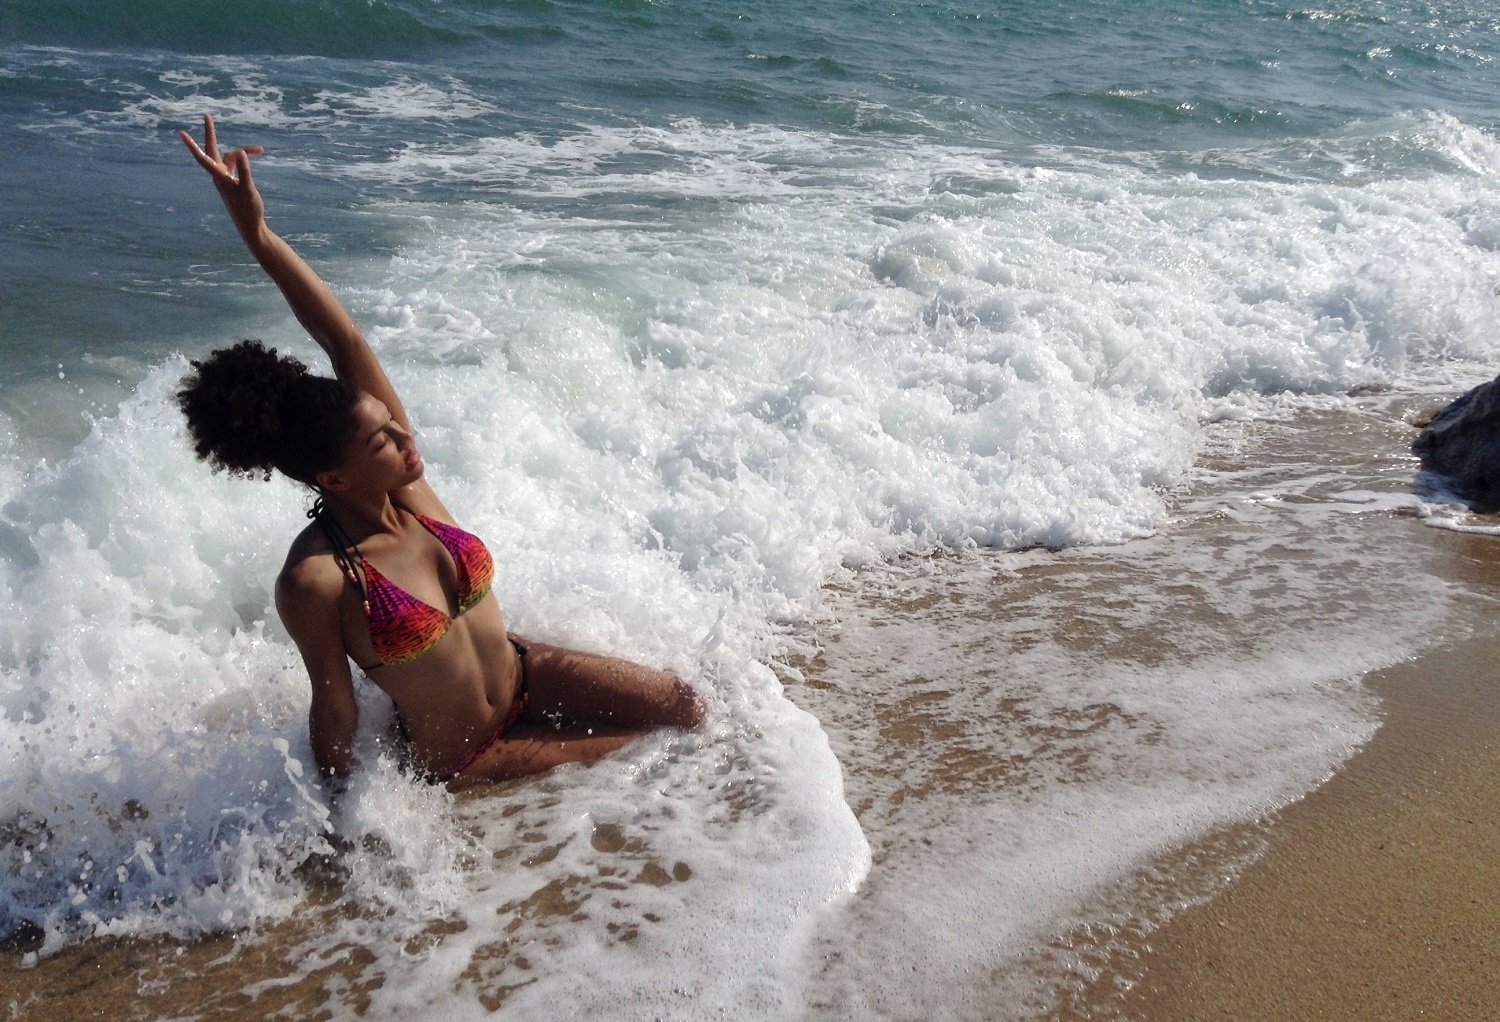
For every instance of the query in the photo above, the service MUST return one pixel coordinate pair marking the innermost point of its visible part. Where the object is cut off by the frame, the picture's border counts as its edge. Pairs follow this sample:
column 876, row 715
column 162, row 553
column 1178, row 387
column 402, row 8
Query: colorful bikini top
column 403, row 627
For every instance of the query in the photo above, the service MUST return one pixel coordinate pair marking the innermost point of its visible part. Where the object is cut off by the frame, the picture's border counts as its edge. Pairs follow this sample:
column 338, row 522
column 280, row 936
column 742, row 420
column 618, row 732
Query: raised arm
column 314, row 305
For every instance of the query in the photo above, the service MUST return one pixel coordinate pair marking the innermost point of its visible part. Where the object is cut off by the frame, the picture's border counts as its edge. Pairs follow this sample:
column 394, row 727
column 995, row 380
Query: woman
column 384, row 576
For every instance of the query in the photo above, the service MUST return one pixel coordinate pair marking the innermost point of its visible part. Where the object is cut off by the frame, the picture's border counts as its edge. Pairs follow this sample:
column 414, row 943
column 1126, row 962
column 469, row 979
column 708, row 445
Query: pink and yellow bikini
column 403, row 627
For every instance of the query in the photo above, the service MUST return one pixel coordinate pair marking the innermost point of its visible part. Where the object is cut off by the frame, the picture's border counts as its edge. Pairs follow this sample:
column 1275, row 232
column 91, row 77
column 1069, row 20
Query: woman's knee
column 688, row 709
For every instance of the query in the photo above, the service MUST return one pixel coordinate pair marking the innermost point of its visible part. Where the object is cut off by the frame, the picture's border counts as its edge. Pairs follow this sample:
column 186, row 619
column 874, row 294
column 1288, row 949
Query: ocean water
column 744, row 333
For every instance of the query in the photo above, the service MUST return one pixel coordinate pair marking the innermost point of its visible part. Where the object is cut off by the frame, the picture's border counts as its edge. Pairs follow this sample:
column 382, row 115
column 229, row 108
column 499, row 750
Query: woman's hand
column 231, row 176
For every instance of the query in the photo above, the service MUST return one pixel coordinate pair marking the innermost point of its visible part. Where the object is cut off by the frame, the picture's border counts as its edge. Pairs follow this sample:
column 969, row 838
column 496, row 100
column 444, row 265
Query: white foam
column 159, row 776
column 404, row 99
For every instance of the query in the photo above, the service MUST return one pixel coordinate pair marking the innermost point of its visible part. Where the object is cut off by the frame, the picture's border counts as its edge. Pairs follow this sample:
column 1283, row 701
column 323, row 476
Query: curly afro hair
column 250, row 410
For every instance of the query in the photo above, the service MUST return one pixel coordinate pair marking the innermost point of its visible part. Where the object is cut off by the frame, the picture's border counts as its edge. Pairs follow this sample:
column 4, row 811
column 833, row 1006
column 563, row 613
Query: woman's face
column 382, row 455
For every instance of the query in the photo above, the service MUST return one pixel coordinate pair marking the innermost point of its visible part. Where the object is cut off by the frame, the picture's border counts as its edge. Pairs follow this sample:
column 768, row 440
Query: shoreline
column 1378, row 894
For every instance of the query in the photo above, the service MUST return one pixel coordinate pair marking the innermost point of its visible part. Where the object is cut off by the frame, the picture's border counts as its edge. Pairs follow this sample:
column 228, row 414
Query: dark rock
column 25, row 937
column 1461, row 445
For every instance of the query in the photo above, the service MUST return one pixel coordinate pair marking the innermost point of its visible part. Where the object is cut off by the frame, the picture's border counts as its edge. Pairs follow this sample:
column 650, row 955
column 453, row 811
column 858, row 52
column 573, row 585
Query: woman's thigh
column 564, row 685
column 530, row 749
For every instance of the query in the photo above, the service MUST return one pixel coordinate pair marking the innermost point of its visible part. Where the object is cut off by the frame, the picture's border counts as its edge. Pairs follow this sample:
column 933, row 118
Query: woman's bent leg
column 565, row 686
column 530, row 749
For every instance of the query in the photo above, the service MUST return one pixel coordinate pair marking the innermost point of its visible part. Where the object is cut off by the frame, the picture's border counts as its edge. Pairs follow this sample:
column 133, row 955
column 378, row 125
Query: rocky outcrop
column 1461, row 445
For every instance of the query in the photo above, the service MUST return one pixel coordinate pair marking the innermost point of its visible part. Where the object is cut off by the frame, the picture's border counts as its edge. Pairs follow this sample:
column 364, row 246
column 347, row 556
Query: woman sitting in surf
column 384, row 576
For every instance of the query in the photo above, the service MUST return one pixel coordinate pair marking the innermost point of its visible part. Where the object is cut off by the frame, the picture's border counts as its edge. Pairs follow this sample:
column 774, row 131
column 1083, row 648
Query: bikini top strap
column 339, row 540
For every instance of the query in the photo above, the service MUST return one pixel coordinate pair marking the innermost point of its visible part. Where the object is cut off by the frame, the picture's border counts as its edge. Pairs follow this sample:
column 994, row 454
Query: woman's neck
column 363, row 514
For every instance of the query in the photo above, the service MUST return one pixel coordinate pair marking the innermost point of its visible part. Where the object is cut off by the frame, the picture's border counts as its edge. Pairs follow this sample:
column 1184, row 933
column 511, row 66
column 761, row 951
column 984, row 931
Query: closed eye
column 380, row 437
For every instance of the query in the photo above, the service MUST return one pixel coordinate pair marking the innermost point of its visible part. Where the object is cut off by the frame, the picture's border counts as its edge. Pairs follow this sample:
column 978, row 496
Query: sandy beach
column 1379, row 897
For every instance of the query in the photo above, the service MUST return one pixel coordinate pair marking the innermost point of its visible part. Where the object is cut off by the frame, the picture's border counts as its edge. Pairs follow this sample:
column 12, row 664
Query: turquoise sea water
column 700, row 307
column 1257, row 91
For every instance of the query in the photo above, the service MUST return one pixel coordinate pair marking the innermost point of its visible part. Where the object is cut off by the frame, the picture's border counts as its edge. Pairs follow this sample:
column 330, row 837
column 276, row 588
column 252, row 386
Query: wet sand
column 231, row 977
column 1374, row 897
column 1379, row 896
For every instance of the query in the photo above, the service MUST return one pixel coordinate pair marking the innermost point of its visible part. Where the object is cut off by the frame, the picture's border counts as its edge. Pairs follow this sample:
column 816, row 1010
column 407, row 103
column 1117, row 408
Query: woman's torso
column 450, row 693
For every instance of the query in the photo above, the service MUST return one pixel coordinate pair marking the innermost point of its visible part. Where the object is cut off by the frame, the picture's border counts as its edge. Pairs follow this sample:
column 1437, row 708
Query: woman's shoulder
column 310, row 570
